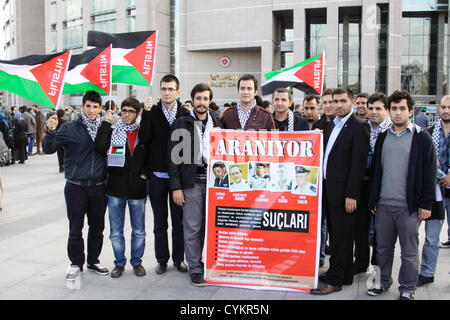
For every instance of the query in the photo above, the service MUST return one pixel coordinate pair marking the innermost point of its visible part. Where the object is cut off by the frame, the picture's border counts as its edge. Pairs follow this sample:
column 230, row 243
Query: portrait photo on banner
column 259, row 175
column 306, row 180
column 238, row 177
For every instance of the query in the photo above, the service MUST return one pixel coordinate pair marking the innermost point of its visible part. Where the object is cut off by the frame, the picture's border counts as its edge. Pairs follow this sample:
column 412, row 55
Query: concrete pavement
column 33, row 255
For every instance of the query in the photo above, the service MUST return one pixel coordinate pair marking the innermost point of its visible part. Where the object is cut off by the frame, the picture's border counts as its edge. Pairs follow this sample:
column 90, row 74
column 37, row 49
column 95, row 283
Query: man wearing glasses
column 126, row 183
column 154, row 132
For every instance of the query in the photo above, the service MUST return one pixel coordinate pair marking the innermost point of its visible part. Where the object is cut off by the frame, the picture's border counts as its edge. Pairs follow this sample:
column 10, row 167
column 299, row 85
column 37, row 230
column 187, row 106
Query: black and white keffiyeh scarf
column 244, row 116
column 203, row 137
column 91, row 125
column 374, row 132
column 436, row 136
column 171, row 115
column 290, row 127
column 117, row 151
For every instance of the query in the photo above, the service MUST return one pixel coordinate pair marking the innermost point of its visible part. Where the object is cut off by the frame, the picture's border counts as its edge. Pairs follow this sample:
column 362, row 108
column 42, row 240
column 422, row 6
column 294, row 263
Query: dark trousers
column 341, row 227
column 81, row 201
column 60, row 152
column 159, row 190
column 363, row 216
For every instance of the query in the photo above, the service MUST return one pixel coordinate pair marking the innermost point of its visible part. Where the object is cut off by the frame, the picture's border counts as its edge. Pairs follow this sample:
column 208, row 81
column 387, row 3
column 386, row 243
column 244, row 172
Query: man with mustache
column 188, row 174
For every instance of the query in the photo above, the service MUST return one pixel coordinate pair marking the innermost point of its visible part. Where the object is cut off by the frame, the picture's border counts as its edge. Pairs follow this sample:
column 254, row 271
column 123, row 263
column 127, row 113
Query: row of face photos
column 273, row 177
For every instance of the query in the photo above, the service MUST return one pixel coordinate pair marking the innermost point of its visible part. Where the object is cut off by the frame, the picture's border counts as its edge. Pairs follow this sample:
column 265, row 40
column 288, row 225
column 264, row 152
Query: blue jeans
column 31, row 140
column 430, row 251
column 116, row 208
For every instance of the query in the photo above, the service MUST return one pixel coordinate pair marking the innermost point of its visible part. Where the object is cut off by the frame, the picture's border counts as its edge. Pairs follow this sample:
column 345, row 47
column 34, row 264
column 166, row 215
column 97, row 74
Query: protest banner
column 263, row 209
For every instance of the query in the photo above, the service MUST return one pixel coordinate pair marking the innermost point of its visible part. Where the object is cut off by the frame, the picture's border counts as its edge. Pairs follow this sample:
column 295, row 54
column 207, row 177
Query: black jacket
column 154, row 132
column 183, row 175
column 82, row 163
column 126, row 181
column 347, row 161
column 300, row 123
column 421, row 179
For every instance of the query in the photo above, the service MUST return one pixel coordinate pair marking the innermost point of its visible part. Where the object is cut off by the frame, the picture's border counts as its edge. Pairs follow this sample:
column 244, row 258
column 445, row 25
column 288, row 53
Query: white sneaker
column 73, row 272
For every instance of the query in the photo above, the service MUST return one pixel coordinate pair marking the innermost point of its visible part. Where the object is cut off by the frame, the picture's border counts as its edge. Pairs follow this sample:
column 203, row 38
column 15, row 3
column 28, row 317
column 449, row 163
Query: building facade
column 23, row 34
column 370, row 45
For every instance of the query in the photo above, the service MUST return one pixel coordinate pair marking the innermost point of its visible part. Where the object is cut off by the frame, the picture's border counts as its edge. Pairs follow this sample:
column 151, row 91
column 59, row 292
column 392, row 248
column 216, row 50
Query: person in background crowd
column 154, row 131
column 214, row 109
column 125, row 184
column 402, row 193
column 111, row 105
column 60, row 149
column 188, row 105
column 267, row 105
column 329, row 110
column 311, row 109
column 85, row 172
column 247, row 115
column 40, row 128
column 188, row 180
column 378, row 122
column 31, row 128
column 19, row 151
column 285, row 119
column 5, row 141
column 361, row 105
column 346, row 149
column 422, row 120
column 298, row 110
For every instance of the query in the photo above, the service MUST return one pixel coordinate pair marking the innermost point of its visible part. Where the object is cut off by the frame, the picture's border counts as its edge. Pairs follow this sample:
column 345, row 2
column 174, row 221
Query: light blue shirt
column 161, row 175
column 338, row 125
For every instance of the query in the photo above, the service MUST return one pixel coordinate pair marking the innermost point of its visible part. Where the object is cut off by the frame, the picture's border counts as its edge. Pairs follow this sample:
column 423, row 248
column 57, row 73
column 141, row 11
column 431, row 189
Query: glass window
column 53, row 45
column 53, row 12
column 316, row 32
column 419, row 55
column 101, row 6
column 72, row 9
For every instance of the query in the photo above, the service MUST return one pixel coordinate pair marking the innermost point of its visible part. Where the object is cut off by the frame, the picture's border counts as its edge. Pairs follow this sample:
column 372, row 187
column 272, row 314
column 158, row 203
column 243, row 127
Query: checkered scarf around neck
column 375, row 132
column 290, row 121
column 91, row 125
column 244, row 116
column 436, row 136
column 203, row 136
column 171, row 116
column 119, row 139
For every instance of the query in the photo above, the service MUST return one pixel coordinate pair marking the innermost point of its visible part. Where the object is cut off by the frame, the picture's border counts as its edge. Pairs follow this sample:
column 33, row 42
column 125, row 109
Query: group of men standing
column 374, row 166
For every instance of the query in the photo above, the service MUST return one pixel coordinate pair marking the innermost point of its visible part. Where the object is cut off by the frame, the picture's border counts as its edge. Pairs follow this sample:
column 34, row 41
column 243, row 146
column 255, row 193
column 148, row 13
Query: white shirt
column 338, row 125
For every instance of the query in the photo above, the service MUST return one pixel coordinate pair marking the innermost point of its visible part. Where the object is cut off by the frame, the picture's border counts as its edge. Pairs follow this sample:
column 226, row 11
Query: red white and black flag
column 133, row 55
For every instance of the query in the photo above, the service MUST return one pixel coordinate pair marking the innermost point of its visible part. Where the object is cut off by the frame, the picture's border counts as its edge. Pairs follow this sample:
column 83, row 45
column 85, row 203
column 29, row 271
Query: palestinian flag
column 38, row 78
column 90, row 70
column 306, row 76
column 133, row 55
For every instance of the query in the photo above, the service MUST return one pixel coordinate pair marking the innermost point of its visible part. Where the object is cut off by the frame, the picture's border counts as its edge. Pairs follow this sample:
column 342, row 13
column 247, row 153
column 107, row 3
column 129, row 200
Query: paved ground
column 33, row 259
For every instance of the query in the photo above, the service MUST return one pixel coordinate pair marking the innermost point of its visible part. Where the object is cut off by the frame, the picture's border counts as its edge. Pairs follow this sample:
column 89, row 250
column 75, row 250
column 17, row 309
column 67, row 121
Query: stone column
column 394, row 46
column 369, row 46
column 332, row 47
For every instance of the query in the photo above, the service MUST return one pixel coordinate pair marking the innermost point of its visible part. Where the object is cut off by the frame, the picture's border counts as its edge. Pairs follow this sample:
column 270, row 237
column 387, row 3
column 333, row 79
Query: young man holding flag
column 85, row 172
column 188, row 180
column 126, row 183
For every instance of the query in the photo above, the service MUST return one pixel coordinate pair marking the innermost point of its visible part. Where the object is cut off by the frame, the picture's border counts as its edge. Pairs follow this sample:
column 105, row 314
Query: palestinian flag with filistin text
column 90, row 70
column 306, row 76
column 38, row 78
column 133, row 55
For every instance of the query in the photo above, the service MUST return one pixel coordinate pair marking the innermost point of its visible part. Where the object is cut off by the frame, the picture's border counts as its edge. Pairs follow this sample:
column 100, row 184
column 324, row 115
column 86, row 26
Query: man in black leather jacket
column 85, row 172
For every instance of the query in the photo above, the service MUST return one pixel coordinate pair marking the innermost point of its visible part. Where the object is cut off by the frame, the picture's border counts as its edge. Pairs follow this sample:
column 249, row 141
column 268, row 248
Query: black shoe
column 197, row 280
column 98, row 269
column 376, row 291
column 424, row 280
column 139, row 270
column 445, row 245
column 61, row 170
column 161, row 268
column 327, row 250
column 117, row 271
column 181, row 266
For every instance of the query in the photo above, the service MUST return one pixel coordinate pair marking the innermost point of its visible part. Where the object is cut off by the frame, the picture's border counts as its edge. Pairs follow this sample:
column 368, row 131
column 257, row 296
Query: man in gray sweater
column 402, row 193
